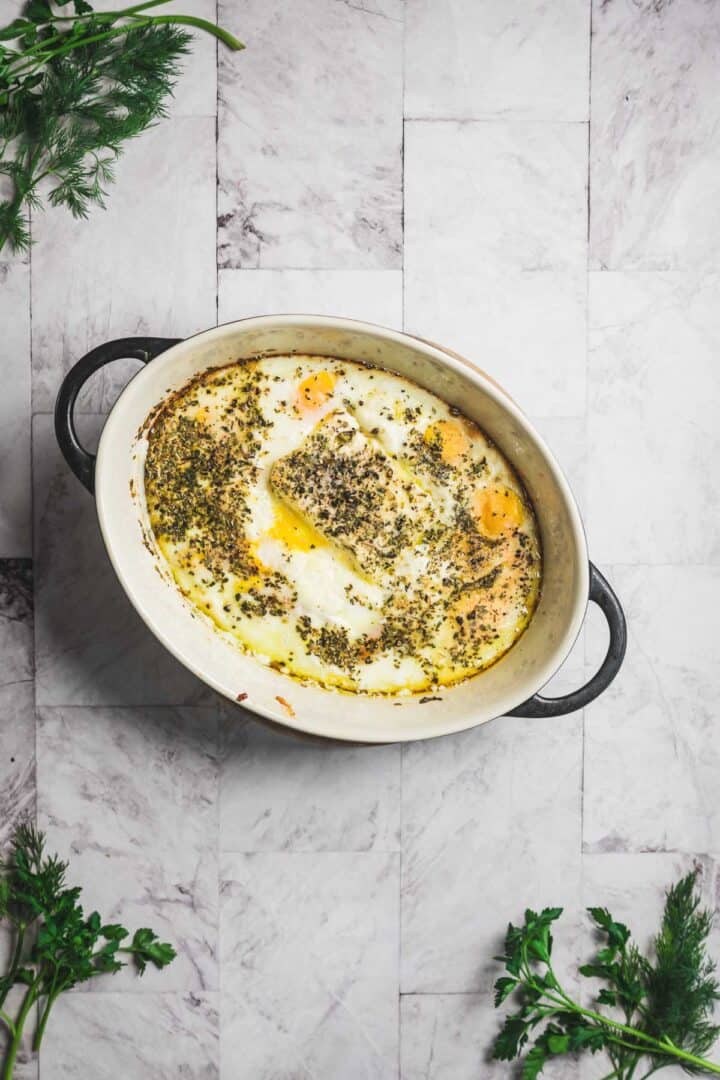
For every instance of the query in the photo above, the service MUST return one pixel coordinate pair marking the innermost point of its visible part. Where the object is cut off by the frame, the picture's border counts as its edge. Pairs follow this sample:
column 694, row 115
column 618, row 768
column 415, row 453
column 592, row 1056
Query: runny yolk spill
column 293, row 530
column 451, row 437
column 496, row 509
column 314, row 391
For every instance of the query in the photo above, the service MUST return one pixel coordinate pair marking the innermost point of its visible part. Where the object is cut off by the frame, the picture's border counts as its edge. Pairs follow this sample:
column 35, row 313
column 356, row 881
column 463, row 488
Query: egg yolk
column 496, row 510
column 293, row 530
column 314, row 391
column 451, row 437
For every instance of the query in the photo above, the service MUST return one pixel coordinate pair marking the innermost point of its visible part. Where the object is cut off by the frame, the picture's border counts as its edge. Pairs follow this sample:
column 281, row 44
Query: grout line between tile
column 401, row 755
column 495, row 118
column 587, row 393
column 217, row 170
column 443, row 993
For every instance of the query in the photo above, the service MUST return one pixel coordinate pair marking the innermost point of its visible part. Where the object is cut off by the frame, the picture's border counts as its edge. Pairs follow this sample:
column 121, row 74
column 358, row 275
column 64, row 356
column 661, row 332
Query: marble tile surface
column 309, row 954
column 653, row 398
column 164, row 1036
column 525, row 328
column 92, row 648
column 146, row 265
column 371, row 295
column 17, row 750
column 17, row 707
column 655, row 147
column 15, row 503
column 129, row 797
column 476, row 808
column 565, row 436
column 652, row 749
column 497, row 196
column 633, row 888
column 195, row 91
column 448, row 1036
column 310, row 135
column 336, row 909
column 27, row 1066
column 497, row 271
column 476, row 60
column 282, row 793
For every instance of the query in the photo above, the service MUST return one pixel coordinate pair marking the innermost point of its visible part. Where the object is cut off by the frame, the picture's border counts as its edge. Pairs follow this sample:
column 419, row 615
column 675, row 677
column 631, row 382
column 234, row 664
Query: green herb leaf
column 73, row 91
column 146, row 948
column 534, row 1063
column 503, row 988
column 666, row 1002
column 56, row 945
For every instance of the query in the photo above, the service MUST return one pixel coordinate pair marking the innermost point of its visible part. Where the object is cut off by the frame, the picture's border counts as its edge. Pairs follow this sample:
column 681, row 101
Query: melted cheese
column 342, row 523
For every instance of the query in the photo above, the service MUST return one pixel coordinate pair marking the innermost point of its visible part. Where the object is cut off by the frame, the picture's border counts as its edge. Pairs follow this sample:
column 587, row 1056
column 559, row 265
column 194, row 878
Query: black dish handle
column 602, row 594
column 80, row 460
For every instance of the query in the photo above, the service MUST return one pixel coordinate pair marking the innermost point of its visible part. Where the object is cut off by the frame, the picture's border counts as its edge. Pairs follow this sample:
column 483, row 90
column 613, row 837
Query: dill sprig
column 56, row 946
column 73, row 89
column 662, row 1004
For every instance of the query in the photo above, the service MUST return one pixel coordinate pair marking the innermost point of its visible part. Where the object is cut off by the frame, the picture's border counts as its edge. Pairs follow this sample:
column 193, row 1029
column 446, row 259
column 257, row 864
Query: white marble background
column 533, row 184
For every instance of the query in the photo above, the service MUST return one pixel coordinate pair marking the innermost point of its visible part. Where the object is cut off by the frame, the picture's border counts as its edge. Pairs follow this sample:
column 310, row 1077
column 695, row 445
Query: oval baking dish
column 510, row 686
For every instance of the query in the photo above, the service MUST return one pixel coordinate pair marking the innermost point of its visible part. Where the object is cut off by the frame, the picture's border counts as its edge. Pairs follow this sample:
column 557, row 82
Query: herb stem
column 200, row 24
column 41, row 53
column 15, row 962
column 28, row 1002
column 52, row 998
column 663, row 1047
column 44, row 53
column 605, row 1021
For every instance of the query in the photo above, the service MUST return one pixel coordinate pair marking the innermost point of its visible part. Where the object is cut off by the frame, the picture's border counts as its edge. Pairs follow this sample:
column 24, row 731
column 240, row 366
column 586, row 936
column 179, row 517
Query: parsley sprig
column 661, row 1005
column 56, row 946
column 74, row 87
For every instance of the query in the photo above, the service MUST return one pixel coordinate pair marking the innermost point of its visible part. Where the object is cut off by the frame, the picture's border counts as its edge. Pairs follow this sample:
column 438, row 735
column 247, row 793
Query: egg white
column 330, row 589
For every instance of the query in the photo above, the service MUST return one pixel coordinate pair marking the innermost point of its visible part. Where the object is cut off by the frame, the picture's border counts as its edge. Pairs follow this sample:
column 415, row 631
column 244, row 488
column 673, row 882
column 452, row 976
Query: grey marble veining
column 15, row 500
column 17, row 715
column 309, row 954
column 163, row 1036
column 310, row 135
column 17, row 745
column 146, row 265
column 92, row 648
column 653, row 400
column 469, row 60
column 280, row 793
column 655, row 148
column 130, row 797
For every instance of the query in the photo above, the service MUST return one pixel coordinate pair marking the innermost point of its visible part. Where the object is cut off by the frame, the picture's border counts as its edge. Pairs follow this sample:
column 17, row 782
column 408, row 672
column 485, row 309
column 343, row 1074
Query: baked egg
column 342, row 524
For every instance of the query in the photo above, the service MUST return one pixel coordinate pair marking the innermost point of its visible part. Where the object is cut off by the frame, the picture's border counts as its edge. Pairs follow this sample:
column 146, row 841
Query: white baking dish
column 510, row 686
